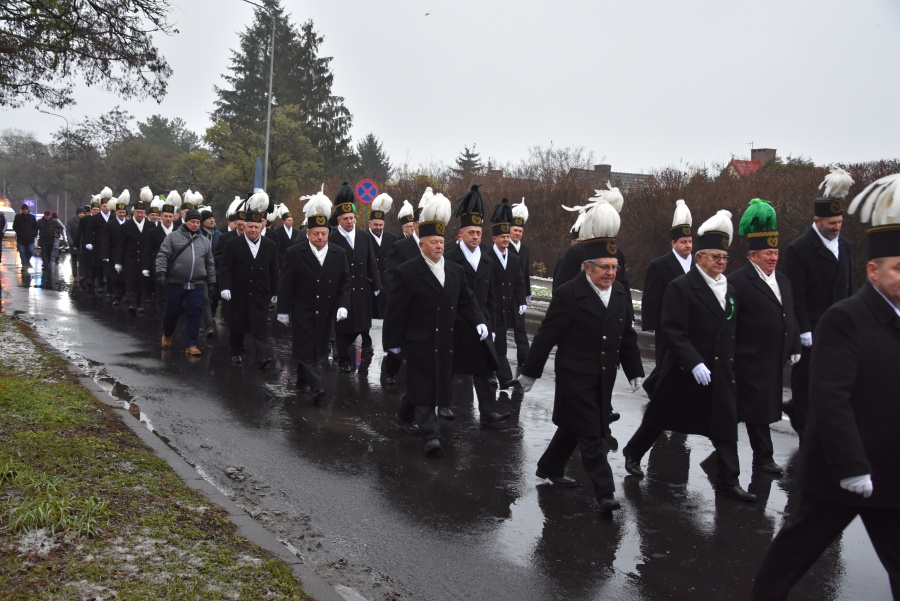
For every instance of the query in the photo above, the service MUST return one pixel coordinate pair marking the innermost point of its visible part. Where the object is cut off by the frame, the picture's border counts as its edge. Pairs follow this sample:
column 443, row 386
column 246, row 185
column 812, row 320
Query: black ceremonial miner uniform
column 766, row 336
column 253, row 281
column 379, row 303
column 285, row 242
column 109, row 242
column 660, row 272
column 583, row 330
column 819, row 279
column 421, row 315
column 131, row 254
column 509, row 295
column 400, row 252
column 364, row 281
column 519, row 333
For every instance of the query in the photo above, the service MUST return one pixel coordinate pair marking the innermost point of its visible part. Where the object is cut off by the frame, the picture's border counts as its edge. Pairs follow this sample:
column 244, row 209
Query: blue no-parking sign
column 366, row 191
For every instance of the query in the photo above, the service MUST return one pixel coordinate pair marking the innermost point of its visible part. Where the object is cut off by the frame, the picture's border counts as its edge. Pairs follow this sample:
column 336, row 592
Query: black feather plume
column 470, row 202
column 345, row 194
column 502, row 213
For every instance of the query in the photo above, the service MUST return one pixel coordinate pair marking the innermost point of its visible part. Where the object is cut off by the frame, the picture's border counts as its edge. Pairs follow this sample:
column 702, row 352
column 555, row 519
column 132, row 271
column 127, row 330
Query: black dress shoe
column 115, row 302
column 389, row 381
column 493, row 417
column 237, row 359
column 633, row 466
column 445, row 412
column 132, row 309
column 563, row 481
column 302, row 386
column 614, row 417
column 408, row 427
column 608, row 504
column 432, row 447
column 736, row 492
column 264, row 365
column 346, row 368
column 770, row 468
column 140, row 309
column 318, row 396
column 506, row 384
column 492, row 381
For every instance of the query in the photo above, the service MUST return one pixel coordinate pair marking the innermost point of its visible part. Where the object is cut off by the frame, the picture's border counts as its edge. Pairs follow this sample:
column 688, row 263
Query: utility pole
column 66, row 173
column 269, row 102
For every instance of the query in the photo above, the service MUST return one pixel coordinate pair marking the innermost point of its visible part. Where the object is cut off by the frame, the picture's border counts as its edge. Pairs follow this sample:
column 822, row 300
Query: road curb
column 315, row 586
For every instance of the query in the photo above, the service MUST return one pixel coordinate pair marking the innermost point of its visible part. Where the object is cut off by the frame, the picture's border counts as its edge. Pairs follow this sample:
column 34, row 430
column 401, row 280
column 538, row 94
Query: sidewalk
column 95, row 506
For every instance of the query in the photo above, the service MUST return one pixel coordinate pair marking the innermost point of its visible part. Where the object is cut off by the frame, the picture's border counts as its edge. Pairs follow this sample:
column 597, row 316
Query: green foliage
column 374, row 163
column 172, row 135
column 468, row 163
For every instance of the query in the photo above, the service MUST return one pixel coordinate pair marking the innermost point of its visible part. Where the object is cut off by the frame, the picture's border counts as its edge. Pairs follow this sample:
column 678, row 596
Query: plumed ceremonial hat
column 501, row 219
column 836, row 185
column 407, row 213
column 121, row 203
column 173, row 202
column 156, row 205
column 427, row 195
column 145, row 198
column 681, row 221
column 95, row 201
column 435, row 216
column 879, row 203
column 715, row 233
column 343, row 201
column 105, row 194
column 380, row 206
column 187, row 200
column 759, row 224
column 317, row 209
column 599, row 230
column 470, row 208
column 519, row 213
column 257, row 205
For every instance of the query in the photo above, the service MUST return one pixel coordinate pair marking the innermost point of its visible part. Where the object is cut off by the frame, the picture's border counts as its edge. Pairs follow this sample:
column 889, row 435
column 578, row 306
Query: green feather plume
column 759, row 217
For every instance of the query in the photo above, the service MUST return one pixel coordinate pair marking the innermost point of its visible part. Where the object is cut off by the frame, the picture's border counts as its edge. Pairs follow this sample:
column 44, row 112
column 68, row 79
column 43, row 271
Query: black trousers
column 593, row 459
column 800, row 392
column 504, row 371
column 424, row 416
column 487, row 402
column 134, row 286
column 310, row 373
column 811, row 530
column 260, row 344
column 345, row 341
column 727, row 463
column 761, row 442
column 47, row 255
column 521, row 338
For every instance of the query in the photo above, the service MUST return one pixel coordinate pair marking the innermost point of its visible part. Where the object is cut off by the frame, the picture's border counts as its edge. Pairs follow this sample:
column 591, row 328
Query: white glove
column 702, row 374
column 226, row 295
column 806, row 339
column 118, row 268
column 106, row 260
column 89, row 246
column 861, row 485
column 482, row 331
column 795, row 359
column 273, row 300
column 146, row 273
column 493, row 336
column 283, row 318
column 394, row 351
column 636, row 384
column 377, row 292
column 525, row 382
column 341, row 314
column 528, row 300
column 522, row 309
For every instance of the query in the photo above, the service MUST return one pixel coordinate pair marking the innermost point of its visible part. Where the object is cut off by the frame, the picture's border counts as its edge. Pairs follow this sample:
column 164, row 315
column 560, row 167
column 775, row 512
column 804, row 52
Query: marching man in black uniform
column 92, row 240
column 517, row 247
column 470, row 354
column 382, row 244
column 766, row 335
column 850, row 456
column 819, row 265
column 112, row 236
column 696, row 389
column 401, row 251
column 509, row 289
column 130, row 255
column 590, row 322
column 313, row 293
column 248, row 280
column 167, row 210
column 286, row 234
column 427, row 293
column 365, row 283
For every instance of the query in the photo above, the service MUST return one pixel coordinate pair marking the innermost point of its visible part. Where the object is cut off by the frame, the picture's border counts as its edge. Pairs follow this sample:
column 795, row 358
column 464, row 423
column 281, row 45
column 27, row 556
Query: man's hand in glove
column 118, row 267
column 341, row 314
column 861, row 485
column 482, row 331
column 636, row 384
column 273, row 300
column 283, row 318
column 226, row 295
column 522, row 309
column 795, row 359
column 525, row 382
column 146, row 273
column 806, row 339
column 702, row 374
column 89, row 246
column 394, row 351
column 376, row 293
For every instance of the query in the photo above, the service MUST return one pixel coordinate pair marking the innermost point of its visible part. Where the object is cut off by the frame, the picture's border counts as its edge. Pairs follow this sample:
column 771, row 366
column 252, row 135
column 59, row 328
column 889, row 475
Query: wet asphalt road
column 358, row 499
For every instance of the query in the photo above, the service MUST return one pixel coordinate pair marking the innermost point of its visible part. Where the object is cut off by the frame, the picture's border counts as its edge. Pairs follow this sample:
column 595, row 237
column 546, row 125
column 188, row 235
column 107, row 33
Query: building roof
column 743, row 168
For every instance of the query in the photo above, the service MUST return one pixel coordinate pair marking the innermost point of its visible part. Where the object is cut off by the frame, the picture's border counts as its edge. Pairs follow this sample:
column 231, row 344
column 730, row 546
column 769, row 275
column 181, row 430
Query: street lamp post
column 269, row 107
column 65, row 189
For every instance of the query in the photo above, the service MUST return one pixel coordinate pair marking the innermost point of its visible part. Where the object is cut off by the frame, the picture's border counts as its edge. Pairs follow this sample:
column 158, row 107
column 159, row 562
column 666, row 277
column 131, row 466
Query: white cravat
column 719, row 286
column 254, row 246
column 436, row 268
column 139, row 224
column 350, row 236
column 377, row 237
column 832, row 245
column 770, row 280
column 121, row 221
column 501, row 256
column 167, row 230
column 684, row 261
column 289, row 231
column 603, row 294
column 319, row 254
column 105, row 215
column 472, row 256
column 516, row 245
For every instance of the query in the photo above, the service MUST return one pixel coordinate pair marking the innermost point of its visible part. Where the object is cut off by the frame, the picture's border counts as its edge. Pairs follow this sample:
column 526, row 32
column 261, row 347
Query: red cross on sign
column 366, row 191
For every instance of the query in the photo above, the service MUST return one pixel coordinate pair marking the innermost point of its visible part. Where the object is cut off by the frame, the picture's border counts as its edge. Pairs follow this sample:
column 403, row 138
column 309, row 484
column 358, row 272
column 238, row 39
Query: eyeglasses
column 606, row 268
column 717, row 258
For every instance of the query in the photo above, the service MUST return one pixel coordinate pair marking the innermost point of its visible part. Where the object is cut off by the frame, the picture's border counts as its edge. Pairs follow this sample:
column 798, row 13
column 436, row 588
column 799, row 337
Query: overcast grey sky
column 644, row 83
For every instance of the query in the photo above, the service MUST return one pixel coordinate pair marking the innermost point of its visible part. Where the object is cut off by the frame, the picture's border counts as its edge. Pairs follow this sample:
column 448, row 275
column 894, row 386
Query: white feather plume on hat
column 611, row 195
column 426, row 196
column 188, row 197
column 157, row 203
column 234, row 207
column 198, row 199
column 105, row 193
column 720, row 222
column 96, row 198
column 382, row 203
column 879, row 201
column 124, row 198
column 682, row 214
column 438, row 208
column 318, row 204
column 174, row 199
column 406, row 209
column 146, row 194
column 520, row 210
column 602, row 221
column 837, row 183
column 576, row 227
column 259, row 202
column 205, row 208
column 280, row 210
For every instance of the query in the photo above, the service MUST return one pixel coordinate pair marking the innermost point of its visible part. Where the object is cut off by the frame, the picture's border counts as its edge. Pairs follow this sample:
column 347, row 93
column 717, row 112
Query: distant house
column 758, row 157
column 600, row 175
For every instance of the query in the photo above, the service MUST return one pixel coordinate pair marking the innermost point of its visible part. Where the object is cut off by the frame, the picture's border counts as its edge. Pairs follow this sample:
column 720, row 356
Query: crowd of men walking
column 721, row 342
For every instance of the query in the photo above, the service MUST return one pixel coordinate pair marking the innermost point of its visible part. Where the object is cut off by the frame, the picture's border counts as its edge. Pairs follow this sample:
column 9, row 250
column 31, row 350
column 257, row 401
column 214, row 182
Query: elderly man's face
column 829, row 227
column 193, row 224
column 712, row 262
column 408, row 228
column 602, row 272
column 209, row 223
column 318, row 237
column 766, row 260
column 432, row 247
column 138, row 215
column 252, row 230
column 515, row 233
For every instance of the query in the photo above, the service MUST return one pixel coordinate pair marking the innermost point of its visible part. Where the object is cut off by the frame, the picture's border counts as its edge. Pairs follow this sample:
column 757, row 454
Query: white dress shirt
column 684, row 261
column 254, row 246
column 377, row 236
column 349, row 236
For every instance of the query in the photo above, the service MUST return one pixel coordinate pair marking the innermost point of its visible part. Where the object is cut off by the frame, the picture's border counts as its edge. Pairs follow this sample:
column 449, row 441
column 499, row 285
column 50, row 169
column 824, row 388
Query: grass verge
column 87, row 511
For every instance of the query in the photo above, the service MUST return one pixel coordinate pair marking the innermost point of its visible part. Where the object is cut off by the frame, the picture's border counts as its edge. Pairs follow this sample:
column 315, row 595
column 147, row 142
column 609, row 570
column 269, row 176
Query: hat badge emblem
column 612, row 248
column 504, row 227
column 772, row 241
column 837, row 207
column 320, row 219
column 439, row 228
column 476, row 219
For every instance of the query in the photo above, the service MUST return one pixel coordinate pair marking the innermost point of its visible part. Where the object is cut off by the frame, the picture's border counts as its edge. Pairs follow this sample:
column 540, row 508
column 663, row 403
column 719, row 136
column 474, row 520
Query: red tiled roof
column 744, row 168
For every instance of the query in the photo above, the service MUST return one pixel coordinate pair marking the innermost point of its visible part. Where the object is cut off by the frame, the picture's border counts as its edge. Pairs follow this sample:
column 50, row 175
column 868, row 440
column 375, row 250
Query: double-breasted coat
column 852, row 429
column 421, row 318
column 470, row 354
column 819, row 278
column 253, row 281
column 134, row 245
column 401, row 251
column 524, row 263
column 696, row 330
column 93, row 236
column 311, row 294
column 509, row 289
column 364, row 281
column 155, row 240
column 592, row 341
column 379, row 303
column 109, row 242
column 765, row 337
column 285, row 242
